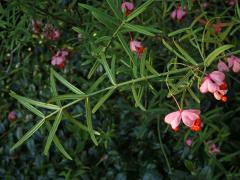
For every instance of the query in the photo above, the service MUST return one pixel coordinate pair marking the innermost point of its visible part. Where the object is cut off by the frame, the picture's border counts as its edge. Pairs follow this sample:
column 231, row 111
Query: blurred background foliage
column 133, row 144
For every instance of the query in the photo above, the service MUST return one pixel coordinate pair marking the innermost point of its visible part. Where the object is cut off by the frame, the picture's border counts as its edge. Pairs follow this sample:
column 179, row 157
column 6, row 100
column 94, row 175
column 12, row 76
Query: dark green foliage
column 101, row 116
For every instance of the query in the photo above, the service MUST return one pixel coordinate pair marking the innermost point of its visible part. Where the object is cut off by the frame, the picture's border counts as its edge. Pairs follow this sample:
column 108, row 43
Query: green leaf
column 102, row 17
column 71, row 119
column 115, row 9
column 89, row 121
column 237, row 9
column 28, row 106
column 102, row 100
column 143, row 63
column 172, row 50
column 54, row 88
column 58, row 143
column 107, row 69
column 193, row 95
column 185, row 54
column 66, row 83
column 151, row 69
column 33, row 102
column 136, row 98
column 67, row 97
column 96, row 83
column 179, row 31
column 53, row 132
column 93, row 69
column 139, row 29
column 126, row 47
column 212, row 56
column 28, row 134
column 139, row 10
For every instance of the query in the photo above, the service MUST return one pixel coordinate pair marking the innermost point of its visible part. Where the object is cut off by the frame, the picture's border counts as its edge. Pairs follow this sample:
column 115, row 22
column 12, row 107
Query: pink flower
column 215, row 84
column 51, row 33
column 212, row 82
column 188, row 117
column 222, row 67
column 137, row 47
column 189, row 141
column 36, row 26
column 231, row 2
column 12, row 116
column 59, row 58
column 213, row 149
column 234, row 63
column 179, row 13
column 127, row 7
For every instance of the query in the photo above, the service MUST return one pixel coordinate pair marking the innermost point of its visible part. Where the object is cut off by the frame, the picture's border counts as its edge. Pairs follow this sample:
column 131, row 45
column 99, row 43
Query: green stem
column 117, row 86
column 162, row 148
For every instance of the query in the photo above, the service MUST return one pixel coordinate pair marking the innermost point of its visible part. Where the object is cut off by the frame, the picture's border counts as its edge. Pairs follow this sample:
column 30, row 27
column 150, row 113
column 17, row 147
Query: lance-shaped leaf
column 139, row 29
column 137, row 98
column 102, row 17
column 185, row 54
column 54, row 88
column 28, row 106
column 212, row 56
column 67, row 97
column 58, row 143
column 93, row 69
column 107, row 69
column 89, row 121
column 33, row 102
column 53, row 131
column 28, row 134
column 66, row 83
column 139, row 10
column 102, row 100
column 126, row 47
column 71, row 119
column 113, row 5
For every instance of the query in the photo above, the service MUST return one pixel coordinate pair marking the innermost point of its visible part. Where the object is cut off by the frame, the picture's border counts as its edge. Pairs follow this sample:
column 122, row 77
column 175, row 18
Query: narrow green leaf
column 185, row 54
column 33, row 102
column 89, row 121
column 67, row 97
column 58, row 143
column 136, row 98
column 212, row 56
column 179, row 31
column 53, row 132
column 193, row 95
column 143, row 63
column 28, row 134
column 54, row 88
column 66, row 83
column 151, row 69
column 107, row 69
column 96, row 83
column 138, row 28
column 172, row 50
column 237, row 9
column 113, row 66
column 102, row 100
column 197, row 19
column 126, row 47
column 93, row 69
column 31, row 108
column 71, row 119
column 115, row 8
column 139, row 10
column 102, row 17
